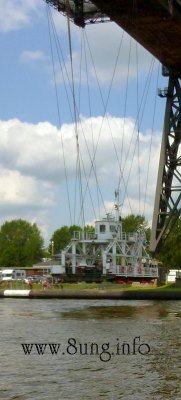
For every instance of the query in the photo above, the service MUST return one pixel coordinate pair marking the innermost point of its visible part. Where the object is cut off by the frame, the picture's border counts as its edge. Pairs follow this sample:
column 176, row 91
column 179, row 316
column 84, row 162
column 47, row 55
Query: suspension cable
column 58, row 111
column 78, row 166
column 151, row 141
column 90, row 113
column 58, row 47
column 105, row 104
column 138, row 153
column 146, row 94
column 125, row 106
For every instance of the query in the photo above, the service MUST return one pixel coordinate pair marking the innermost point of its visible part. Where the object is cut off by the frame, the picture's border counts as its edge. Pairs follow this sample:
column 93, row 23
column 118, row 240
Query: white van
column 12, row 274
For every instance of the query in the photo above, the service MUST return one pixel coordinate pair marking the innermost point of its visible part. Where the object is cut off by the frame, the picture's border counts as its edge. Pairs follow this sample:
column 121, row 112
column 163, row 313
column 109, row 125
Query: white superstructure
column 110, row 249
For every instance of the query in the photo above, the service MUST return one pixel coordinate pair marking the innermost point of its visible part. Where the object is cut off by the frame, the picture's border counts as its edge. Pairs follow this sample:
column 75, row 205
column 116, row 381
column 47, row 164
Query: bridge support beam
column 167, row 207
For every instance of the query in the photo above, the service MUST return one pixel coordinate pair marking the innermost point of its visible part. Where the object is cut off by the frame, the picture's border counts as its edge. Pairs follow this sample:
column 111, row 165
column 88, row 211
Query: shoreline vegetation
column 84, row 286
column 90, row 291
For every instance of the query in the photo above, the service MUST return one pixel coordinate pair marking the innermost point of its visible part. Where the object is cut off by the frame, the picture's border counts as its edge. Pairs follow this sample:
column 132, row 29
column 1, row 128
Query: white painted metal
column 109, row 248
column 14, row 293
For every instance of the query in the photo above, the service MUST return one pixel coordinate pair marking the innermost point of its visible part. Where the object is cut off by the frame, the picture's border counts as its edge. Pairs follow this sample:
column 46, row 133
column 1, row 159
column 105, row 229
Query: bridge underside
column 155, row 24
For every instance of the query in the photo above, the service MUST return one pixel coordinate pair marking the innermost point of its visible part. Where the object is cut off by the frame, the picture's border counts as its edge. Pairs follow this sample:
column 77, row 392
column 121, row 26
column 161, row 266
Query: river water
column 103, row 350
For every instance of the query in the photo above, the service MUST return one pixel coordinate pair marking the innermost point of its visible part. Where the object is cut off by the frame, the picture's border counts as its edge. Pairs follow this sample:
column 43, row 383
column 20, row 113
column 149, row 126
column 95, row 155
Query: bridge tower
column 167, row 207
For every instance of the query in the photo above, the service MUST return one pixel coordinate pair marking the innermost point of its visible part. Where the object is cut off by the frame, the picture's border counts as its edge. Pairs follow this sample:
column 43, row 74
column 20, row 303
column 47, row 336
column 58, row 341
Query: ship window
column 112, row 228
column 102, row 228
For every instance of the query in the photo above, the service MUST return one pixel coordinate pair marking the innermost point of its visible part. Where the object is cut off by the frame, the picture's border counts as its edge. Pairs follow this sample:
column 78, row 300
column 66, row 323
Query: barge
column 109, row 253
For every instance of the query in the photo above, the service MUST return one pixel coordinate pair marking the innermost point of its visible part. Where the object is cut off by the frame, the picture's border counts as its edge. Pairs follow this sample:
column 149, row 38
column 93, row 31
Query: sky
column 116, row 139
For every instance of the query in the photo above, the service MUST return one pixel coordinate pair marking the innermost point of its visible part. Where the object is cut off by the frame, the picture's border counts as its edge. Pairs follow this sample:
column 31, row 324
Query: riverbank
column 134, row 294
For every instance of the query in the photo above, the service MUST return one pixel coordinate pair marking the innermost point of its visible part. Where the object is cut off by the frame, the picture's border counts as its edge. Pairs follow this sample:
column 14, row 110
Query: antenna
column 116, row 204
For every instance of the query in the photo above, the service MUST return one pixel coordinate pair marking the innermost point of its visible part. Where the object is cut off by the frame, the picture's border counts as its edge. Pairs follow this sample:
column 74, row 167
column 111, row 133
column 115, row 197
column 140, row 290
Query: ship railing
column 84, row 235
column 129, row 237
column 128, row 270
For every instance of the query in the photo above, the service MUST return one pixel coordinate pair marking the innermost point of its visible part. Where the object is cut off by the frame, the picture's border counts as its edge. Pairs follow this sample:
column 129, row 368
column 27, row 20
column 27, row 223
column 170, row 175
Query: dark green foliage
column 61, row 237
column 170, row 253
column 20, row 244
column 133, row 222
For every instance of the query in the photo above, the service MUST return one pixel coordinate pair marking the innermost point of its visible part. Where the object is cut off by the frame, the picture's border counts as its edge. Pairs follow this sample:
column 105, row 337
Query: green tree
column 170, row 253
column 89, row 228
column 62, row 236
column 133, row 222
column 20, row 244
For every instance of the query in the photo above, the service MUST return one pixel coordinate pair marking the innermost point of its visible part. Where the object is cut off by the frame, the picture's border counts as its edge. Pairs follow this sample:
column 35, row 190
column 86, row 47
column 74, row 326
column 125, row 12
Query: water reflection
column 124, row 311
column 80, row 376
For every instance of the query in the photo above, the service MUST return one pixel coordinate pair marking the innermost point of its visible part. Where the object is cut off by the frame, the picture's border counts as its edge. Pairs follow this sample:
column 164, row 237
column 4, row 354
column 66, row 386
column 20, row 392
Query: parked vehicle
column 33, row 279
column 171, row 277
column 12, row 274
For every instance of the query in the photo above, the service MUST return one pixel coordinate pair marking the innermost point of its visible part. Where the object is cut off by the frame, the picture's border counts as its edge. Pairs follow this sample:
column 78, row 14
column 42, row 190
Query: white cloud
column 33, row 176
column 17, row 190
column 16, row 14
column 110, row 54
column 34, row 150
column 109, row 43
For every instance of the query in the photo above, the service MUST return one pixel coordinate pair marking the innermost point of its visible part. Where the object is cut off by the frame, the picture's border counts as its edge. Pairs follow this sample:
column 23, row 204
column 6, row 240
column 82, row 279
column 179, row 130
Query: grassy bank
column 83, row 286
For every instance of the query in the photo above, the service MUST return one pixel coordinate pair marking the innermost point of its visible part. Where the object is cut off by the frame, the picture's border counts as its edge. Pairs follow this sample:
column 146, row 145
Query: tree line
column 21, row 243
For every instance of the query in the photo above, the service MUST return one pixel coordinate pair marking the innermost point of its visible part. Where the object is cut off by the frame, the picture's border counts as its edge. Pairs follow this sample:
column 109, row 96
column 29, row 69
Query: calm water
column 117, row 366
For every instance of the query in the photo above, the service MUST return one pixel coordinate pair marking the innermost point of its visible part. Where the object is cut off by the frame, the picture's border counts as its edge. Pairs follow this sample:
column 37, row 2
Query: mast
column 117, row 214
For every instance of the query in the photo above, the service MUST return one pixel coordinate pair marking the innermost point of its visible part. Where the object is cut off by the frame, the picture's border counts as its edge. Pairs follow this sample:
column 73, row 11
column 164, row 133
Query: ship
column 110, row 253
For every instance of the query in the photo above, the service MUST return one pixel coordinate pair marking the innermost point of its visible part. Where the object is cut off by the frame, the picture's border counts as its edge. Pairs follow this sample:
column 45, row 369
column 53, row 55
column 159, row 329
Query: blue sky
column 32, row 144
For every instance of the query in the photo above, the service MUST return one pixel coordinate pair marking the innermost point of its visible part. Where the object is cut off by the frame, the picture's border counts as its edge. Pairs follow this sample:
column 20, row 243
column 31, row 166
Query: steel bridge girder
column 167, row 199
